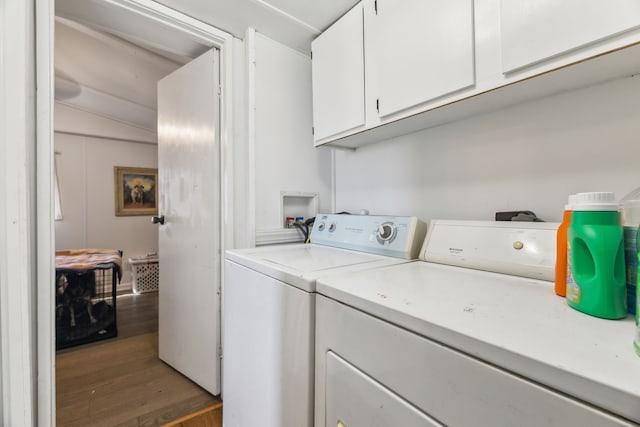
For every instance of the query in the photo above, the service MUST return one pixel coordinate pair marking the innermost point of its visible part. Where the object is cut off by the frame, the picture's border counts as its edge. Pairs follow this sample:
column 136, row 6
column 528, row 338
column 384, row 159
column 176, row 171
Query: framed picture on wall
column 136, row 191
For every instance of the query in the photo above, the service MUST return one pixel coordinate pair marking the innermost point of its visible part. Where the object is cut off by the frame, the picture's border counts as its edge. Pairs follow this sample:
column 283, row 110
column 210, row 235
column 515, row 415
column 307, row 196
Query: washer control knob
column 386, row 232
column 332, row 227
column 321, row 226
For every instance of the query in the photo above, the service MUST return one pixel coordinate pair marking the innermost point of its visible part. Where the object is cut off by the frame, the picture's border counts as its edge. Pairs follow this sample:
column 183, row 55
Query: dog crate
column 85, row 305
column 145, row 273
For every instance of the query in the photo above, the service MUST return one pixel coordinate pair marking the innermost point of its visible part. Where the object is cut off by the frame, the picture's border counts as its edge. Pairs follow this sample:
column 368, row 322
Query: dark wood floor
column 120, row 381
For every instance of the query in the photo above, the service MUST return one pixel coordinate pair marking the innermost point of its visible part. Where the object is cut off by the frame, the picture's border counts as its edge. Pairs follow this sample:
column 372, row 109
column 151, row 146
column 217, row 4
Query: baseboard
column 278, row 236
column 124, row 288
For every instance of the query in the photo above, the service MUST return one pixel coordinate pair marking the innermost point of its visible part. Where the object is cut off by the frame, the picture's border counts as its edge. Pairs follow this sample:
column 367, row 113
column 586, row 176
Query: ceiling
column 294, row 23
column 108, row 76
column 92, row 76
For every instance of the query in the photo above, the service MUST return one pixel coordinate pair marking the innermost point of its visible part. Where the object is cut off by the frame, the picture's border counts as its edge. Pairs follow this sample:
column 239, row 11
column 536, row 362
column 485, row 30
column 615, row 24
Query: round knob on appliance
column 321, row 226
column 332, row 227
column 386, row 232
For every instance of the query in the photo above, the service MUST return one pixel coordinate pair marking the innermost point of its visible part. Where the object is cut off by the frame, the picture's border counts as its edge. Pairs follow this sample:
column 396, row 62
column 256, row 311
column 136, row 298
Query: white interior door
column 189, row 239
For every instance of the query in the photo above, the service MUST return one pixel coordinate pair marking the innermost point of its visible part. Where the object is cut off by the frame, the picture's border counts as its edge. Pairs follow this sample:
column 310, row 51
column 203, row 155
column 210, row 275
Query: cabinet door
column 535, row 30
column 420, row 50
column 354, row 399
column 338, row 76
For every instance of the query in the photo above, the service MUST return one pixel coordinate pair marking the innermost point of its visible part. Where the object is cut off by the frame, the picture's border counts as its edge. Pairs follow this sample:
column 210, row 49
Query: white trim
column 89, row 135
column 3, row 200
column 147, row 9
column 333, row 181
column 250, row 49
column 45, row 245
column 241, row 154
column 288, row 16
column 17, row 213
column 75, row 121
column 278, row 236
column 174, row 19
column 120, row 43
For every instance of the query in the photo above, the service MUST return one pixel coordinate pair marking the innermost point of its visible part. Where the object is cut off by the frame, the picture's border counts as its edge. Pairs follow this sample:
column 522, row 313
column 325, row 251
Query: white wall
column 285, row 159
column 530, row 156
column 86, row 178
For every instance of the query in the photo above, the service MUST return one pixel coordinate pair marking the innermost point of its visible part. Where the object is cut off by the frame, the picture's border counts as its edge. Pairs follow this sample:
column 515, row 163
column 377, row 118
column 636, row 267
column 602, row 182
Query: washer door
column 356, row 400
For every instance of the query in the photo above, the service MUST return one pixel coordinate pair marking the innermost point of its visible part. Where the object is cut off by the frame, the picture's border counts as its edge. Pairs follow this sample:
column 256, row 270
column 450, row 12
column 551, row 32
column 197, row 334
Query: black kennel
column 85, row 301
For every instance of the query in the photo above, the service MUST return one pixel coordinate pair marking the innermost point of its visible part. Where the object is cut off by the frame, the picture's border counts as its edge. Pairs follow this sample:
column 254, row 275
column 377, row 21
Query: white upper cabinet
column 429, row 62
column 537, row 30
column 338, row 77
column 419, row 50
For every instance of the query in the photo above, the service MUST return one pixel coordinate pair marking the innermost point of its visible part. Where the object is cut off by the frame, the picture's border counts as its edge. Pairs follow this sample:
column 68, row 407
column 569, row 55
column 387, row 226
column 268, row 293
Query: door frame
column 19, row 122
column 27, row 241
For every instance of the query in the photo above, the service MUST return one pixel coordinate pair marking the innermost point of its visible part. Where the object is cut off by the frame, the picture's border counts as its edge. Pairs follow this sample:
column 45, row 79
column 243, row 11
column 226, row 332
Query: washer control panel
column 386, row 232
column 397, row 236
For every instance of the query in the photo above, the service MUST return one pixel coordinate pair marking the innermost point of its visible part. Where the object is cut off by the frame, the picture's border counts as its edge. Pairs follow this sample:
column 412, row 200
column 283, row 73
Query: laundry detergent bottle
column 562, row 268
column 630, row 205
column 636, row 339
column 596, row 256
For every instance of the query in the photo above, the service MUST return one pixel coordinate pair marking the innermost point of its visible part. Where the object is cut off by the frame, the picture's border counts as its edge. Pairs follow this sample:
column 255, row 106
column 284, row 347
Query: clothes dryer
column 269, row 312
column 473, row 334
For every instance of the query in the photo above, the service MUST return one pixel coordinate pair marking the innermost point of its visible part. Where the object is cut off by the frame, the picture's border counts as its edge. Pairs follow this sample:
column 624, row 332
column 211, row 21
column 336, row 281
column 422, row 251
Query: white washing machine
column 269, row 312
column 473, row 336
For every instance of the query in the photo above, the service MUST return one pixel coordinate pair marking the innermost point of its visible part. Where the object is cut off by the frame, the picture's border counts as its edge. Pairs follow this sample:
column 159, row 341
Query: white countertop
column 516, row 323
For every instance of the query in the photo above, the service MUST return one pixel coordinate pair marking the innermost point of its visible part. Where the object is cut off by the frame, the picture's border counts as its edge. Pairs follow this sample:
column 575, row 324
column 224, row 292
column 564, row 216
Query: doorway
column 130, row 17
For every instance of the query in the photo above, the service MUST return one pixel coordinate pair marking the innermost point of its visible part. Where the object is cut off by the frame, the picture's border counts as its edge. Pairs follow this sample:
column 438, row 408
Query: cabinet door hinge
column 311, row 53
column 220, row 352
column 375, row 6
column 313, row 130
column 378, row 105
